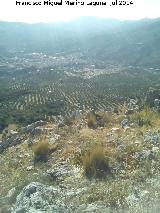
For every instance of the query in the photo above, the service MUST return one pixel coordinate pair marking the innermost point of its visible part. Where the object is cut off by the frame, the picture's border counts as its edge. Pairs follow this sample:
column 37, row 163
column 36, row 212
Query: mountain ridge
column 126, row 42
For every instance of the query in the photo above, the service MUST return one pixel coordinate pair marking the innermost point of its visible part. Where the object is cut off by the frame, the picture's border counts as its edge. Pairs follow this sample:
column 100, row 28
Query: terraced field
column 38, row 86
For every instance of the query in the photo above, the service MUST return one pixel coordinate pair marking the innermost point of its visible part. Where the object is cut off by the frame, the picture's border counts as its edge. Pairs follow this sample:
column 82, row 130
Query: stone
column 156, row 102
column 13, row 132
column 136, row 196
column 155, row 149
column 61, row 124
column 37, row 197
column 29, row 168
column 151, row 96
column 54, row 138
column 145, row 154
column 32, row 127
column 76, row 114
column 125, row 123
column 129, row 111
column 59, row 172
column 115, row 130
column 11, row 141
column 132, row 106
column 127, row 129
column 152, row 137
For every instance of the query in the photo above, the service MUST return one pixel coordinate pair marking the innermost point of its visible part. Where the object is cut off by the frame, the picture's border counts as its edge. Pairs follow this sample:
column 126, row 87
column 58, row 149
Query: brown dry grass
column 95, row 163
column 41, row 149
column 91, row 120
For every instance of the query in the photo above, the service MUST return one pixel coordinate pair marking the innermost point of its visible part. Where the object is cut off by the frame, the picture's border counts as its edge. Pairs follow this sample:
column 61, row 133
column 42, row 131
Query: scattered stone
column 110, row 137
column 93, row 207
column 151, row 96
column 155, row 149
column 127, row 128
column 125, row 123
column 12, row 140
column 29, row 168
column 60, row 172
column 132, row 106
column 20, row 156
column 137, row 142
column 115, row 130
column 12, row 132
column 30, row 142
column 156, row 103
column 76, row 114
column 121, row 148
column 132, row 199
column 31, row 129
column 129, row 111
column 61, row 124
column 42, row 130
column 145, row 154
column 11, row 195
column 54, row 138
column 136, row 196
column 152, row 137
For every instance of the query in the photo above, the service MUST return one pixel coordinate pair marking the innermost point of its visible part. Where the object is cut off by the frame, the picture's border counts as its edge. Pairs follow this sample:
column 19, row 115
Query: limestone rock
column 37, row 197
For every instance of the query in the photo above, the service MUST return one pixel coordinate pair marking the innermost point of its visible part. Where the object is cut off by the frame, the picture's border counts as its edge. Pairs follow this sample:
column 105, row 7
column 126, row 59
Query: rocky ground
column 58, row 180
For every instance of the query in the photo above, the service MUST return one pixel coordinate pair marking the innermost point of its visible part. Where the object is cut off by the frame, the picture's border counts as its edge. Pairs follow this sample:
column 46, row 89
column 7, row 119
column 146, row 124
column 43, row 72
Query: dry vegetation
column 105, row 154
column 91, row 120
column 95, row 163
column 41, row 150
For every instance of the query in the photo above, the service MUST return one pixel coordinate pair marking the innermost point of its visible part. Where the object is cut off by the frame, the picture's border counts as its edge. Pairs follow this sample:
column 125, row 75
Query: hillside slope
column 107, row 164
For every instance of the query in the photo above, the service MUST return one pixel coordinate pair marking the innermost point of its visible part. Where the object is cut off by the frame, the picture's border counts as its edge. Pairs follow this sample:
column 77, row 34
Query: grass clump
column 104, row 118
column 95, row 163
column 99, row 119
column 41, row 150
column 146, row 117
column 91, row 121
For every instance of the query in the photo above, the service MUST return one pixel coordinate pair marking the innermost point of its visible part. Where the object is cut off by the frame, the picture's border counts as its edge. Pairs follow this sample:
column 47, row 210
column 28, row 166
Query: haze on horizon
column 32, row 14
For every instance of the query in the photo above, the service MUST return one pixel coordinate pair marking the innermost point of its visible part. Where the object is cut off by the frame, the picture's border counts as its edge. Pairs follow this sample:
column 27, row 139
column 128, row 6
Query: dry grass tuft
column 91, row 121
column 41, row 150
column 146, row 117
column 95, row 163
column 104, row 118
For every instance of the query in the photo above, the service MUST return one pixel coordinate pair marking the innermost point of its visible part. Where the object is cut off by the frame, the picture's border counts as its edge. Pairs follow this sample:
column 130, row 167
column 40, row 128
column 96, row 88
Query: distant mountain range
column 117, row 42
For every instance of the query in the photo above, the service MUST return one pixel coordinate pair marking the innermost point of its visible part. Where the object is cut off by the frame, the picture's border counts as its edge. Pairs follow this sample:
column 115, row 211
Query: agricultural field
column 36, row 86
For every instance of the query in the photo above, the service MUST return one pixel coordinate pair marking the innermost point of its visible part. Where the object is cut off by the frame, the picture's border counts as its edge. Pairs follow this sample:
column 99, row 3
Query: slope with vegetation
column 107, row 167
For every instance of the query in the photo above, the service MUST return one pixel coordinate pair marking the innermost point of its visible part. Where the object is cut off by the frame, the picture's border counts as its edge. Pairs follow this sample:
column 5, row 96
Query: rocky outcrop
column 19, row 137
column 132, row 106
column 34, row 128
column 37, row 197
column 11, row 141
column 151, row 96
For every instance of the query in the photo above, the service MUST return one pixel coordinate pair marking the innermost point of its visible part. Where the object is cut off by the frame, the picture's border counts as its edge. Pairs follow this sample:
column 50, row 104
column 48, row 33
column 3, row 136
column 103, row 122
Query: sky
column 9, row 11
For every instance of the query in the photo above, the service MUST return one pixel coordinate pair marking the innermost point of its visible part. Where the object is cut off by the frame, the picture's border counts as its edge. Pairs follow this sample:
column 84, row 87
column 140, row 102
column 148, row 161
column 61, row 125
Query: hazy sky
column 139, row 9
